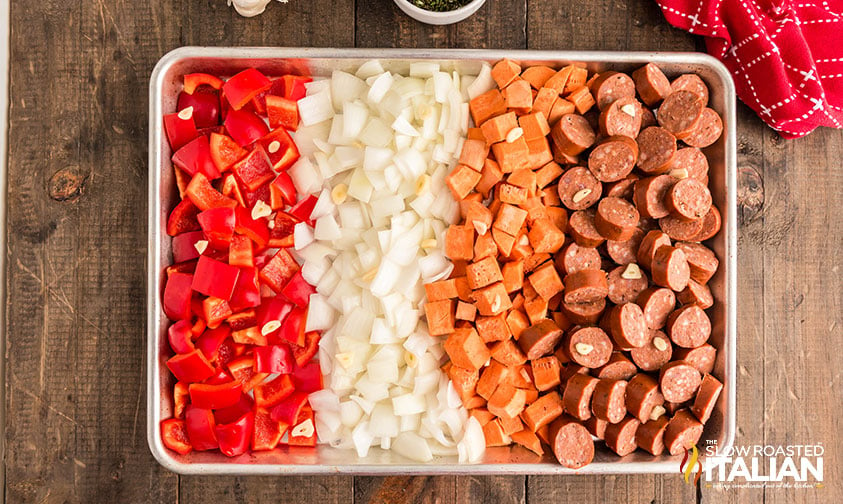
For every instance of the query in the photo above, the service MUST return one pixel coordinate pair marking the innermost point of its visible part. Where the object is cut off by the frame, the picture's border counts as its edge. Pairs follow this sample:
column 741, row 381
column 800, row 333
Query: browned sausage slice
column 651, row 84
column 588, row 346
column 706, row 399
column 577, row 395
column 578, row 188
column 696, row 293
column 689, row 326
column 702, row 357
column 692, row 83
column 616, row 219
column 586, row 286
column 607, row 402
column 582, row 229
column 708, row 130
column 651, row 242
column 679, row 381
column 610, row 86
column 569, row 369
column 623, row 252
column 613, row 158
column 596, row 427
column 540, row 338
column 620, row 437
column 655, row 354
column 692, row 161
column 647, row 118
column 710, row 226
column 626, row 283
column 622, row 117
column 623, row 188
column 619, row 367
column 650, row 435
column 670, row 268
column 656, row 150
column 571, row 442
column 680, row 112
column 629, row 330
column 573, row 258
column 650, row 193
column 642, row 396
column 682, row 432
column 701, row 259
column 584, row 313
column 688, row 199
column 572, row 134
column 657, row 304
column 680, row 229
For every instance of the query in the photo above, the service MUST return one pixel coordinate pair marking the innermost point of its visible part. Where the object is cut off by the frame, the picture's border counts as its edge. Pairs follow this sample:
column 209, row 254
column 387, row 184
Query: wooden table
column 75, row 389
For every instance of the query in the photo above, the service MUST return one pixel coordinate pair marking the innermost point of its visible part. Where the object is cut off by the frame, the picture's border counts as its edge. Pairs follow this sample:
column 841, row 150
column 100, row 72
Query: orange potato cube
column 523, row 178
column 558, row 216
column 547, row 174
column 462, row 180
column 544, row 101
column 482, row 415
column 522, row 377
column 466, row 349
column 489, row 176
column 440, row 317
column 474, row 402
column 517, row 321
column 511, row 425
column 485, row 246
column 532, row 395
column 560, row 108
column 550, row 197
column 582, row 99
column 545, row 237
column 522, row 248
column 464, row 381
column 504, row 241
column 463, row 290
column 528, row 440
column 505, row 71
column 534, row 125
column 576, row 79
column 537, row 75
column 474, row 153
column 483, row 272
column 466, row 311
column 558, row 80
column 546, row 281
column 486, row 105
column 536, row 309
column 459, row 242
column 512, row 194
column 492, row 299
column 543, row 411
column 512, row 155
column 510, row 219
column 475, row 134
column 519, row 96
column 546, row 372
column 507, row 401
column 490, row 378
column 492, row 328
column 496, row 128
column 441, row 289
column 508, row 353
column 535, row 260
column 493, row 432
column 538, row 153
column 476, row 214
column 513, row 276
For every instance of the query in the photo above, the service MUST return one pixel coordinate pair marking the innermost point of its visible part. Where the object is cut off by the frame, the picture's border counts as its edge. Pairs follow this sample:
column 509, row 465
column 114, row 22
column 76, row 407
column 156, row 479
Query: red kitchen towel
column 786, row 56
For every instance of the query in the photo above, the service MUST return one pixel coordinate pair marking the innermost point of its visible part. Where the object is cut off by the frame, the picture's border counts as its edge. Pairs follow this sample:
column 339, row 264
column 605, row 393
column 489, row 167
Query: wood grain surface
column 75, row 318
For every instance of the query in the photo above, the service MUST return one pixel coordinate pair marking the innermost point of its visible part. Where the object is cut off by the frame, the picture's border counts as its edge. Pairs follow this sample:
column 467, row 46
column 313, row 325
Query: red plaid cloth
column 786, row 57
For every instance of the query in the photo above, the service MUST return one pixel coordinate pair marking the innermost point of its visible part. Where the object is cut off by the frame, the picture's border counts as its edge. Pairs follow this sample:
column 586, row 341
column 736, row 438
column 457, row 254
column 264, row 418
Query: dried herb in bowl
column 440, row 5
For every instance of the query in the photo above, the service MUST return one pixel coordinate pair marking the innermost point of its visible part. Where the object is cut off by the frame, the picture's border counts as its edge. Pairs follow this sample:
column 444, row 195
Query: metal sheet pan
column 165, row 85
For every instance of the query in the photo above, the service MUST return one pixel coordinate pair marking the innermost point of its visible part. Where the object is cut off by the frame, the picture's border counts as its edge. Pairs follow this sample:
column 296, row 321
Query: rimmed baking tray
column 166, row 83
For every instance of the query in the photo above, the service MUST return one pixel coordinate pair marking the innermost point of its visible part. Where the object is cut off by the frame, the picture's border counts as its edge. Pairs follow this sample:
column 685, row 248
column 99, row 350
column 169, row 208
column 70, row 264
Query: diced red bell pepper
column 306, row 415
column 229, row 350
column 215, row 396
column 177, row 296
column 284, row 184
column 232, row 413
column 241, row 253
column 274, row 359
column 280, row 148
column 303, row 353
column 245, row 127
column 231, row 188
column 180, row 337
column 206, row 106
column 225, row 151
column 298, row 290
column 249, row 336
column 215, row 311
column 180, row 129
column 200, row 428
column 287, row 411
column 215, row 278
column 243, row 319
column 220, row 376
column 241, row 88
column 247, row 292
column 234, row 438
column 181, row 267
column 294, row 88
column 174, row 436
column 194, row 80
column 180, row 397
column 272, row 309
column 282, row 112
column 292, row 330
column 255, row 229
column 270, row 393
column 281, row 234
column 184, row 246
column 243, row 370
column 254, row 170
column 183, row 218
column 190, row 367
column 304, row 208
column 308, row 378
column 259, row 101
column 204, row 196
column 251, row 197
column 279, row 270
column 268, row 432
column 210, row 341
column 218, row 226
column 182, row 180
column 195, row 157
column 198, row 328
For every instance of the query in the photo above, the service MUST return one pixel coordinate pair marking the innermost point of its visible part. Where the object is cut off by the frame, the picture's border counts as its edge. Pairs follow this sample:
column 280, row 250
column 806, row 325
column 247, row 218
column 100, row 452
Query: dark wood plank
column 288, row 489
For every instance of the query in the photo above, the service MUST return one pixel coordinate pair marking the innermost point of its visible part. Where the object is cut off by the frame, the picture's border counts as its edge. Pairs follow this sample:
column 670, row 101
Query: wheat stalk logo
column 689, row 468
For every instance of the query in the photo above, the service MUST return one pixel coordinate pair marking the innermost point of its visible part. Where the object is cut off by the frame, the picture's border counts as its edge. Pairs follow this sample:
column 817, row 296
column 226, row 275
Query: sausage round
column 573, row 258
column 623, row 188
column 701, row 260
column 706, row 399
column 656, row 150
column 625, row 289
column 620, row 437
column 682, row 432
column 680, row 112
column 613, row 158
column 571, row 442
column 657, row 304
column 696, row 293
column 576, row 399
column 679, row 381
column 629, row 330
column 651, row 242
column 584, row 313
column 586, row 286
column 619, row 367
column 582, row 229
column 642, row 396
column 689, row 326
column 681, row 229
column 578, row 189
column 572, row 134
column 616, row 219
column 649, row 195
column 692, row 83
column 651, row 84
column 688, row 199
column 610, row 86
column 569, row 370
column 540, row 338
column 710, row 225
column 670, row 268
column 708, row 130
column 693, row 161
column 623, row 252
column 588, row 346
column 647, row 118
column 622, row 117
column 607, row 401
column 655, row 354
column 596, row 427
column 650, row 435
column 701, row 357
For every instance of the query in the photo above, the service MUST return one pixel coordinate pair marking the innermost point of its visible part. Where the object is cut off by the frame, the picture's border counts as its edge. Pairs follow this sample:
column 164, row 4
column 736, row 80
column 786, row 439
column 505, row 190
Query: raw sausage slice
column 619, row 367
column 656, row 150
column 650, row 435
column 656, row 303
column 584, row 313
column 586, row 286
column 707, row 132
column 571, row 442
column 680, row 112
column 623, row 252
column 706, row 399
column 692, row 161
column 613, row 158
column 578, row 188
column 572, row 134
column 577, row 396
column 651, row 84
column 623, row 188
column 626, row 283
column 582, row 229
column 607, row 402
column 629, row 330
column 651, row 242
column 680, row 229
column 610, row 86
column 650, row 193
column 682, row 432
column 701, row 357
column 710, row 226
column 702, row 261
column 642, row 396
column 679, row 381
column 692, row 83
column 616, row 219
column 574, row 258
column 647, row 118
column 655, row 354
column 569, row 370
column 620, row 437
column 696, row 293
column 689, row 326
column 689, row 199
column 588, row 346
column 670, row 268
column 596, row 427
column 622, row 117
column 540, row 338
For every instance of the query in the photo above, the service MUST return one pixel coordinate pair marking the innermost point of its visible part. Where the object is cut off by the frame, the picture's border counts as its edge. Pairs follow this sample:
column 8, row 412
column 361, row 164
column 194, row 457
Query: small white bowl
column 439, row 18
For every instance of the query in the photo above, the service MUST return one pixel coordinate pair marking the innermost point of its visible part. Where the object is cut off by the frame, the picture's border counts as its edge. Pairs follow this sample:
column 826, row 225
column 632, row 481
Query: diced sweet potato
column 466, row 311
column 492, row 299
column 507, row 401
column 496, row 128
column 482, row 415
column 504, row 241
column 537, row 75
column 510, row 219
column 576, row 80
column 511, row 425
column 459, row 242
column 518, row 301
column 485, row 246
column 441, row 289
column 523, row 178
column 440, row 317
column 518, row 96
column 508, row 353
column 546, row 372
column 474, row 402
column 463, row 290
column 535, row 260
column 547, row 174
column 582, row 99
column 476, row 214
column 528, row 440
column 550, row 197
column 512, row 155
column 489, row 176
column 544, row 410
column 464, row 381
column 534, row 125
column 483, row 272
column 560, row 108
column 536, row 309
column 511, row 194
column 486, row 105
column 493, row 432
column 532, row 394
column 545, row 237
column 459, row 270
column 493, row 328
column 505, row 71
column 544, row 101
column 546, row 281
column 522, row 377
column 522, row 248
column 543, row 433
column 490, row 378
column 462, row 180
column 559, row 217
column 517, row 321
column 513, row 276
column 474, row 153
column 538, row 153
column 466, row 349
column 475, row 134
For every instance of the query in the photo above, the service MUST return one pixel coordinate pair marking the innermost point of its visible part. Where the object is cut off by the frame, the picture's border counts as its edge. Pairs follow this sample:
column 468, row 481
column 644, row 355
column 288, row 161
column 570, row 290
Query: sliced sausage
column 651, row 242
column 656, row 150
column 655, row 354
column 571, row 442
column 692, row 83
column 620, row 437
column 616, row 219
column 596, row 427
column 582, row 229
column 642, row 396
column 607, row 402
column 670, row 268
column 647, row 118
column 588, row 346
column 569, row 370
column 672, row 407
column 623, row 188
column 702, row 357
column 651, row 84
column 680, row 229
column 577, row 395
column 629, row 330
column 586, row 286
column 680, row 112
column 708, row 130
column 710, row 388
column 650, row 193
column 540, row 338
column 657, row 304
column 697, row 294
column 573, row 258
column 613, row 158
column 572, row 134
column 688, row 199
column 626, row 283
column 679, row 381
column 710, row 225
column 610, row 86
column 682, row 432
column 584, row 313
column 624, row 252
column 622, row 117
column 650, row 435
column 689, row 326
column 701, row 259
column 578, row 188
column 619, row 367
column 693, row 161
